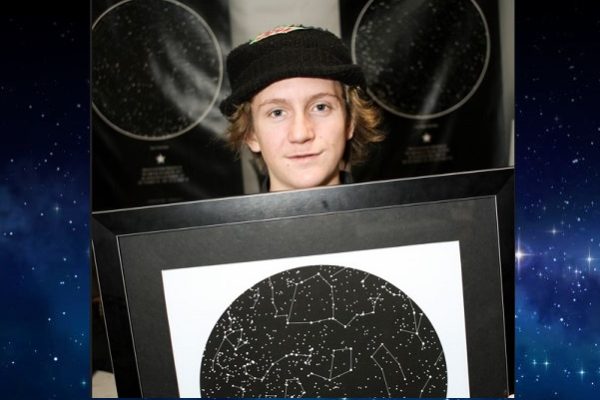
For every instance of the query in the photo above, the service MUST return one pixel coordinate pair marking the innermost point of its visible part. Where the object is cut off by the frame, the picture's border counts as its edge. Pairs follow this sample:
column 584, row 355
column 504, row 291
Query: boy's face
column 299, row 126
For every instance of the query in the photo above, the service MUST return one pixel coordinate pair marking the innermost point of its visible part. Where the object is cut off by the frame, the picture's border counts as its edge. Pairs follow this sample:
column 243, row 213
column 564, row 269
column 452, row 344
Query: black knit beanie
column 287, row 52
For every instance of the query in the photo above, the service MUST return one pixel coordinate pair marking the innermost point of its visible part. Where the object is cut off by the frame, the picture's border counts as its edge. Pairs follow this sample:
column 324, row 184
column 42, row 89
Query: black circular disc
column 424, row 58
column 323, row 331
column 156, row 68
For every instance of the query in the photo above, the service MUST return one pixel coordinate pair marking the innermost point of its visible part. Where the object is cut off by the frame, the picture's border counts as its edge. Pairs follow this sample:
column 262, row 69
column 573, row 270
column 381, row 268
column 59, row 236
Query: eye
column 321, row 107
column 276, row 113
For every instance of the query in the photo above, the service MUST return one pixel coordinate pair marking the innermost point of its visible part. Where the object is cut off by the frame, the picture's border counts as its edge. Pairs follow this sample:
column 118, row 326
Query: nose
column 301, row 130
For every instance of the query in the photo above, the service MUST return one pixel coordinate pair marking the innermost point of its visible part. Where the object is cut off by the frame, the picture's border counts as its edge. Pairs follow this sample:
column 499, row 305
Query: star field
column 557, row 215
column 44, row 197
column 161, row 81
column 412, row 60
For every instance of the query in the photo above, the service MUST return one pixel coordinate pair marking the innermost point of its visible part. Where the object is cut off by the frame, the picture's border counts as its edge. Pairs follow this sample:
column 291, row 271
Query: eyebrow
column 277, row 100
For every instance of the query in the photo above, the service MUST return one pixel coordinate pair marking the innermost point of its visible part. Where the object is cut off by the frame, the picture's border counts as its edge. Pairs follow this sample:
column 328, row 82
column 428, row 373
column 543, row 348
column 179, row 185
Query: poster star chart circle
column 157, row 68
column 323, row 331
column 422, row 59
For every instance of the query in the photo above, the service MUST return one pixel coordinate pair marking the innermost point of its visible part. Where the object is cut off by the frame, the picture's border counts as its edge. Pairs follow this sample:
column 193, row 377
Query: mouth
column 304, row 156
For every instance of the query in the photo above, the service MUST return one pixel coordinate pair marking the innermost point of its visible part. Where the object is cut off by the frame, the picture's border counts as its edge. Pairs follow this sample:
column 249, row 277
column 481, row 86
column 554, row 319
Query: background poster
column 158, row 75
column 441, row 72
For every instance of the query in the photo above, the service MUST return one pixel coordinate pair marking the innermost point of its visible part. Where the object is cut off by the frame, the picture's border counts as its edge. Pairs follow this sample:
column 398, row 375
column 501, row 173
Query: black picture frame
column 132, row 246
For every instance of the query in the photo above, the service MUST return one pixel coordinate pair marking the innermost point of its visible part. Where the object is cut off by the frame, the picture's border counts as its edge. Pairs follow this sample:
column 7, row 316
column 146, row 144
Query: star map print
column 323, row 331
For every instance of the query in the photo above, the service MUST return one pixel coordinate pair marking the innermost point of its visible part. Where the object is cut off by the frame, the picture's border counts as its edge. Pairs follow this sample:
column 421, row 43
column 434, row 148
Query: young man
column 298, row 103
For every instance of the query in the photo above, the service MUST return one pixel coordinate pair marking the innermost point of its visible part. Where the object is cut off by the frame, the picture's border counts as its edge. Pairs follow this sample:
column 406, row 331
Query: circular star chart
column 156, row 68
column 323, row 331
column 422, row 59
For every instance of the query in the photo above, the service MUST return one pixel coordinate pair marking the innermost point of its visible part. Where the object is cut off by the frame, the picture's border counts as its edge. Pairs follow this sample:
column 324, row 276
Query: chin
column 306, row 180
column 313, row 182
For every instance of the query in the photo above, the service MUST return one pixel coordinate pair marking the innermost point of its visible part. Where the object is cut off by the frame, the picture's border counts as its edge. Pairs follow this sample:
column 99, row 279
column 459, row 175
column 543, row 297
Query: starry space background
column 44, row 201
column 557, row 211
column 44, row 205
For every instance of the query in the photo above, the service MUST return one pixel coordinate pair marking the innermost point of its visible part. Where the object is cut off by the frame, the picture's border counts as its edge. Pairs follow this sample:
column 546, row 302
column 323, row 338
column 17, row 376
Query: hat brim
column 350, row 74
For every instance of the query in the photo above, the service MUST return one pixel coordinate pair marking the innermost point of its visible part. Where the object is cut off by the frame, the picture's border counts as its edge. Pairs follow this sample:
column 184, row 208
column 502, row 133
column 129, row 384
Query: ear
column 252, row 142
column 350, row 132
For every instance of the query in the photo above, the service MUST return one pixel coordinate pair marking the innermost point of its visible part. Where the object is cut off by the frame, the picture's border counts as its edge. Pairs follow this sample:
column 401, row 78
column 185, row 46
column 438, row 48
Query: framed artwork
column 400, row 288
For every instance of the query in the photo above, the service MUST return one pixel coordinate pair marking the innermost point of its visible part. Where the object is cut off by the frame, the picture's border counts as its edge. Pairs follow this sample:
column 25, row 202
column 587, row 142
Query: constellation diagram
column 323, row 331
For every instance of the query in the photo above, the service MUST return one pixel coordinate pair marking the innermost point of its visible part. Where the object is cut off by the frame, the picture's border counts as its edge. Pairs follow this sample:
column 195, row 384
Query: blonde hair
column 360, row 111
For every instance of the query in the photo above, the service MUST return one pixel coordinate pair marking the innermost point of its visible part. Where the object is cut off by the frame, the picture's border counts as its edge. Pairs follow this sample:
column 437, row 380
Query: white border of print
column 430, row 274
